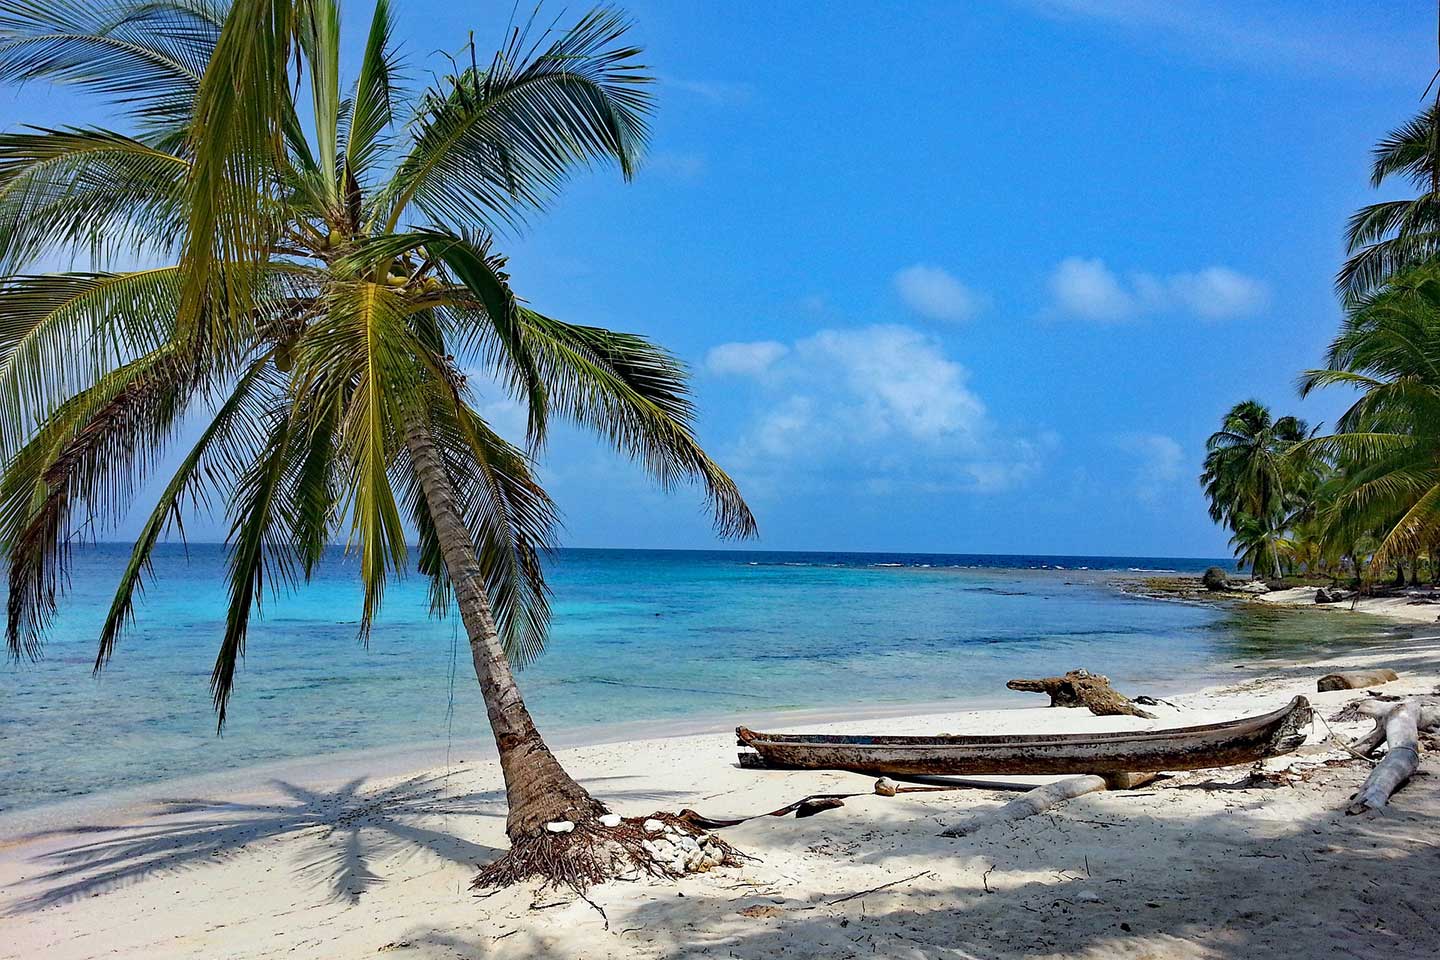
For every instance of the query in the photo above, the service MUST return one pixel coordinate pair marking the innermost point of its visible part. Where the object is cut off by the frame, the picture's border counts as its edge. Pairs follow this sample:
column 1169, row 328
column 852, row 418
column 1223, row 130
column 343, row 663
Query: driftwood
column 1041, row 799
column 1355, row 681
column 1379, row 709
column 1036, row 801
column 1400, row 724
column 1081, row 688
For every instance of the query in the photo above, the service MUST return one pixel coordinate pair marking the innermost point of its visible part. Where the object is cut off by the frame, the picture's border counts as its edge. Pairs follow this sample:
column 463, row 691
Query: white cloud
column 879, row 406
column 1335, row 39
column 720, row 93
column 899, row 379
column 744, row 359
column 1160, row 460
column 1217, row 293
column 677, row 164
column 932, row 292
column 1088, row 289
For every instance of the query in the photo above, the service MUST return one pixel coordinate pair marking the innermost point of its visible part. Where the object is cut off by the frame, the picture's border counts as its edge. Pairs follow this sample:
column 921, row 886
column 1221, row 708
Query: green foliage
column 1388, row 238
column 333, row 289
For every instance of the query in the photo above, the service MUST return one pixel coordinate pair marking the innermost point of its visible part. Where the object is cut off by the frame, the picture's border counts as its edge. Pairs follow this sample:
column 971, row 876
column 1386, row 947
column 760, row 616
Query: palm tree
column 1246, row 473
column 1386, row 238
column 327, row 279
column 1387, row 444
column 1261, row 544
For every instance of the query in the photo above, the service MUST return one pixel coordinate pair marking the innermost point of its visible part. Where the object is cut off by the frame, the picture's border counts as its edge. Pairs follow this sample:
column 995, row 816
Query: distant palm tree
column 1261, row 544
column 1246, row 472
column 1387, row 238
column 328, row 284
column 1387, row 444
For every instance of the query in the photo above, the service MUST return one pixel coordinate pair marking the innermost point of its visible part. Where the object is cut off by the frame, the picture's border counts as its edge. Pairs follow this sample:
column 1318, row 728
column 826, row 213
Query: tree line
column 1362, row 501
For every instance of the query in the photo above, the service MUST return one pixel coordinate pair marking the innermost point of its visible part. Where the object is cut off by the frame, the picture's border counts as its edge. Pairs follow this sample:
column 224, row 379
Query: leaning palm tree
column 1383, row 239
column 1387, row 444
column 316, row 285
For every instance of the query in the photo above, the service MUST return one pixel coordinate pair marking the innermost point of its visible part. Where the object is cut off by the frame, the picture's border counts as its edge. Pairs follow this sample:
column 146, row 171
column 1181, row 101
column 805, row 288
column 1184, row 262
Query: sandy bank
column 1201, row 865
column 1403, row 609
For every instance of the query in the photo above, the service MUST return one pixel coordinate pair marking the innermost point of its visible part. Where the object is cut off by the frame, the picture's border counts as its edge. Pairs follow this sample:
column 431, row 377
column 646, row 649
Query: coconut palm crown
column 304, row 267
column 1388, row 441
column 1392, row 236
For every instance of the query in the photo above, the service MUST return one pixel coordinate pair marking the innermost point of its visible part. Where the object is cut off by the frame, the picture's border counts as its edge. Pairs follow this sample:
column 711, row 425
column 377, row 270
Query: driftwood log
column 1043, row 798
column 1379, row 711
column 1027, row 805
column 1355, row 681
column 1081, row 688
column 1400, row 724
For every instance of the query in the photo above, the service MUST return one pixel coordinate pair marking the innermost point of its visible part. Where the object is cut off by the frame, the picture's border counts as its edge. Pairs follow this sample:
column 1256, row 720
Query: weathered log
column 1428, row 718
column 1036, row 801
column 1128, row 781
column 1081, row 688
column 1402, row 757
column 1355, row 681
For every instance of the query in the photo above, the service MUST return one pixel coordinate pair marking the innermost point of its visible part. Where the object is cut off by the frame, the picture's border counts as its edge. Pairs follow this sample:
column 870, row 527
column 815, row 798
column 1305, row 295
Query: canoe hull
column 1184, row 748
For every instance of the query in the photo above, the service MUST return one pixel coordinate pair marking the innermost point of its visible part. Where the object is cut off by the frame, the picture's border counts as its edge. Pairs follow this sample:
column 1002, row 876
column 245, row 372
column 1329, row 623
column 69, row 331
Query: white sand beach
column 1208, row 864
column 1411, row 607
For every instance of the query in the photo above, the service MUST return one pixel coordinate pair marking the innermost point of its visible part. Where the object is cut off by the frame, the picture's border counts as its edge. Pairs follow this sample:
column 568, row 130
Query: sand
column 1407, row 608
column 1209, row 864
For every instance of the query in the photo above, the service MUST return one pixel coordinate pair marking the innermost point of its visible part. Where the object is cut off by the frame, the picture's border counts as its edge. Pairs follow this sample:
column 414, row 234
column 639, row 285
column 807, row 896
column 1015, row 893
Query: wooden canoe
column 1138, row 751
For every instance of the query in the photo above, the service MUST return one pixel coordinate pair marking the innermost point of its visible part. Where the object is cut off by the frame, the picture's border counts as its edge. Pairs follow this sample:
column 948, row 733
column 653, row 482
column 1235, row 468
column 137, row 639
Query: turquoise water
column 638, row 635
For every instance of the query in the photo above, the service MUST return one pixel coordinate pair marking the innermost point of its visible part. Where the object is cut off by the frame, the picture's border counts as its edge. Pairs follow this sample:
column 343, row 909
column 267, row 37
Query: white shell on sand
column 610, row 820
column 559, row 826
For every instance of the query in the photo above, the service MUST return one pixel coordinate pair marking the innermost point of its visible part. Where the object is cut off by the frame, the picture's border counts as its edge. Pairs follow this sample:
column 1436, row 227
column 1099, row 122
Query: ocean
column 663, row 637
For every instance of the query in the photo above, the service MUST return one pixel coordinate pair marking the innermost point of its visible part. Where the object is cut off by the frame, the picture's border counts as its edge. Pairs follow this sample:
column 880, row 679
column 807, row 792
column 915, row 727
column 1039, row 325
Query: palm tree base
column 593, row 853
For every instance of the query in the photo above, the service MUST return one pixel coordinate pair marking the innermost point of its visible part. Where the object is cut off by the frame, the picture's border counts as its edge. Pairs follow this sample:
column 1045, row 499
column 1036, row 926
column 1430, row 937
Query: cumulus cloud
column 744, row 359
column 1090, row 290
column 1160, row 460
column 932, row 292
column 899, row 379
column 882, row 406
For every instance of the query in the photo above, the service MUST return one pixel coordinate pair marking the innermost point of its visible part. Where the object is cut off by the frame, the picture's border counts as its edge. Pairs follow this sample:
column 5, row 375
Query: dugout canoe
column 1132, row 751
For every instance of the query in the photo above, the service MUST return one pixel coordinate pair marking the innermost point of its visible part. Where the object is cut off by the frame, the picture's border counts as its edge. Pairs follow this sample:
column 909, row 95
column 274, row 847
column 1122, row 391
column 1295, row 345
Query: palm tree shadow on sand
column 338, row 835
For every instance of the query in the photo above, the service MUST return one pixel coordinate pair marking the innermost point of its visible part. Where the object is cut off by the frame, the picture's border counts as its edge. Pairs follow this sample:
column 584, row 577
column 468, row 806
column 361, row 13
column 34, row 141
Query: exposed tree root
column 593, row 853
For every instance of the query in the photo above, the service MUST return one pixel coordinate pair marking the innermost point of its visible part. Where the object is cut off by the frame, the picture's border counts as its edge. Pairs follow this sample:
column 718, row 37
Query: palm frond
column 375, row 96
column 636, row 395
column 146, row 55
column 92, row 453
column 84, row 191
column 61, row 333
column 494, row 143
column 226, row 448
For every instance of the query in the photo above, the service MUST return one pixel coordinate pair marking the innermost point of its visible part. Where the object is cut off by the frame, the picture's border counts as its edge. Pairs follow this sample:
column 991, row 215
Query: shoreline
column 328, row 768
column 322, row 770
column 353, row 869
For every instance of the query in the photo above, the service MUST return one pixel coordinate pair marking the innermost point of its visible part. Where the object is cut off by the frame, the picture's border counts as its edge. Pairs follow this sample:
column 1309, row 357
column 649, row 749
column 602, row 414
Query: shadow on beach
column 1236, row 883
column 343, row 830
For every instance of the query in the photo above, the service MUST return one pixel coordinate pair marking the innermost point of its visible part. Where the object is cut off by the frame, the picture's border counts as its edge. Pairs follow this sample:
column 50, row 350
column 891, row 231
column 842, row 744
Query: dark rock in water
column 1215, row 579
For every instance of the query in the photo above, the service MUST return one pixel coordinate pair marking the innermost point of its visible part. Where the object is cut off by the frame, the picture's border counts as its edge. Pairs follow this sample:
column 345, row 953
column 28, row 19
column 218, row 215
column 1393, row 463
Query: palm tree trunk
column 537, row 788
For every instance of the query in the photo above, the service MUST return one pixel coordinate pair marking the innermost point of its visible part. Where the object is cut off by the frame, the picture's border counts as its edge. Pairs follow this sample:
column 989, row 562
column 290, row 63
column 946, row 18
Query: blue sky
column 964, row 277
